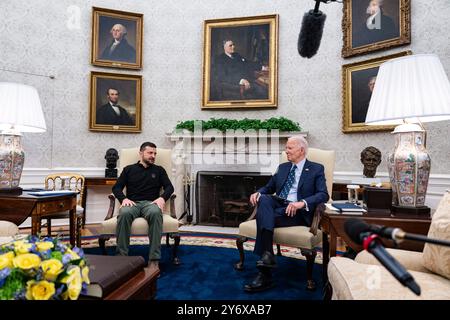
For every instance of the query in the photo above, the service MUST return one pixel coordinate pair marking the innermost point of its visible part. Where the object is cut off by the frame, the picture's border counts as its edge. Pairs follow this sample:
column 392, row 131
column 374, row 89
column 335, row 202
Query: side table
column 94, row 181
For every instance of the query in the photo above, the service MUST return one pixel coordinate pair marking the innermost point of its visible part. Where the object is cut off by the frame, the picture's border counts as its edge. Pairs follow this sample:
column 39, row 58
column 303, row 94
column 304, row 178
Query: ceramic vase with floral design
column 12, row 159
column 409, row 167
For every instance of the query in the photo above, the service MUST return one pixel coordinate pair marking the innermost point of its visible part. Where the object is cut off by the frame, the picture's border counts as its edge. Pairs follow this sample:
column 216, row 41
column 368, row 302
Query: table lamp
column 20, row 111
column 409, row 91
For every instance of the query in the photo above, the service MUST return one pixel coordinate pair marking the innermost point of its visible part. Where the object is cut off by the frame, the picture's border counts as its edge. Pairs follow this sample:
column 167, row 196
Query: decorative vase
column 12, row 158
column 409, row 167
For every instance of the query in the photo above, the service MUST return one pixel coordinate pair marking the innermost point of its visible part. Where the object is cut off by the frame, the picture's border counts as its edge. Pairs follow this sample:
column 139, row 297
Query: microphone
column 360, row 233
column 399, row 235
column 311, row 31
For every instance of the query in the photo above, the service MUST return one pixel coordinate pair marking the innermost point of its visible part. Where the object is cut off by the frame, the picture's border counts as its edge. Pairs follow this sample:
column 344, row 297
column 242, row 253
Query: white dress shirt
column 292, row 195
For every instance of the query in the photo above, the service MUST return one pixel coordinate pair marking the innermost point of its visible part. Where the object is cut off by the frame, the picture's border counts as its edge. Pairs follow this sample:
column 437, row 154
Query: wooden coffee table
column 141, row 286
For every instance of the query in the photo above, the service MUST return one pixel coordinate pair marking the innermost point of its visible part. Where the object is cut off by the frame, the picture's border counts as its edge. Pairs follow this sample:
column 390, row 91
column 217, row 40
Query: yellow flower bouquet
column 45, row 269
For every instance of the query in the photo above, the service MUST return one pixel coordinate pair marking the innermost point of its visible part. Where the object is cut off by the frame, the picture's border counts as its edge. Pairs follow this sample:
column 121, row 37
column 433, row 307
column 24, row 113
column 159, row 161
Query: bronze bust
column 370, row 158
column 111, row 157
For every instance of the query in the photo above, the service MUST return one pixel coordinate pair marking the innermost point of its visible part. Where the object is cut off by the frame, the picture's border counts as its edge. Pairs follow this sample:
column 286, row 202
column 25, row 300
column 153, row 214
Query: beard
column 148, row 162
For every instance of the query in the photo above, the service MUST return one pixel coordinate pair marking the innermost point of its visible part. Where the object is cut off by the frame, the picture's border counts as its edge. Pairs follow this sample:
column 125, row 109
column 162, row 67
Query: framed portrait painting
column 240, row 62
column 372, row 25
column 115, row 102
column 116, row 38
column 358, row 81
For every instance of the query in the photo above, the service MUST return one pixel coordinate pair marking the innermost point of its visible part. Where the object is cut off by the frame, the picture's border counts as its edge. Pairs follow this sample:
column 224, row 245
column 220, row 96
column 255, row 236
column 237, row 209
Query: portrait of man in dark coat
column 111, row 112
column 118, row 48
column 372, row 22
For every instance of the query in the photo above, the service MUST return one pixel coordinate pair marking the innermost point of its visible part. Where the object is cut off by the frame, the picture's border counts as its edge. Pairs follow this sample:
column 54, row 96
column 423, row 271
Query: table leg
column 73, row 225
column 333, row 241
column 325, row 256
column 35, row 222
column 83, row 204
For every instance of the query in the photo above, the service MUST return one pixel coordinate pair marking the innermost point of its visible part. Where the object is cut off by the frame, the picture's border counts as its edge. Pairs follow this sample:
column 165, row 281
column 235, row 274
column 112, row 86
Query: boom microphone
column 360, row 233
column 399, row 235
column 311, row 31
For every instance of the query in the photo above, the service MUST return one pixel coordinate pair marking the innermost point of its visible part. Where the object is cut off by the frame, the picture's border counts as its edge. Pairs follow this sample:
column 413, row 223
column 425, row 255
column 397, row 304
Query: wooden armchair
column 66, row 181
column 140, row 225
column 302, row 237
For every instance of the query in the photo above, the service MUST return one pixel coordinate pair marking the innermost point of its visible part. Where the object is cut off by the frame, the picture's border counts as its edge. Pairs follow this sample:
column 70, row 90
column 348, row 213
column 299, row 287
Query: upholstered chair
column 140, row 225
column 366, row 279
column 302, row 237
column 66, row 181
column 7, row 231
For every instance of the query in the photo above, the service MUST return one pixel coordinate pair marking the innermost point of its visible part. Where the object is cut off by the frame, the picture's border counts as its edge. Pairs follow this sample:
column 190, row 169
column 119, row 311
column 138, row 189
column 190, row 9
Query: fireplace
column 222, row 197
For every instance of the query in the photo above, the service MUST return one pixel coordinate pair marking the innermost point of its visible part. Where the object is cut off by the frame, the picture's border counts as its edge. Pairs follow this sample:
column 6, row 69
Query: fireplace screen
column 222, row 198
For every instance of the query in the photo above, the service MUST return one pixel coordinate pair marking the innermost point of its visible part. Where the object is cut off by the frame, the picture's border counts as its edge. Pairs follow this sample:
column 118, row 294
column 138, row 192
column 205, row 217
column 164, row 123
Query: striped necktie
column 289, row 182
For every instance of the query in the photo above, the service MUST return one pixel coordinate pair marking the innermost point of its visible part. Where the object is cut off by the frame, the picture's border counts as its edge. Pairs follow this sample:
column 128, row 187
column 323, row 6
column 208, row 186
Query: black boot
column 267, row 261
column 263, row 281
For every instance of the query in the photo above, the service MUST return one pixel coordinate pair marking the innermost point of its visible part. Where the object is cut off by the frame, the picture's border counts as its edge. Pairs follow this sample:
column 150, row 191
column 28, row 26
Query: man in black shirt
column 143, row 181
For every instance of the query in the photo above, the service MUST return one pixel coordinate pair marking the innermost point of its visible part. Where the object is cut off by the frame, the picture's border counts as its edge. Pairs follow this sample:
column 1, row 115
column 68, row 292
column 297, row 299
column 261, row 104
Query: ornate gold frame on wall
column 404, row 26
column 271, row 76
column 135, row 18
column 347, row 86
column 114, row 80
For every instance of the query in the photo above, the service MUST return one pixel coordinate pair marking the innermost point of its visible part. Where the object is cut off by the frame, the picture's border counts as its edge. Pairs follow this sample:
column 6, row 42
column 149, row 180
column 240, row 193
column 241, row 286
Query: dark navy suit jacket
column 312, row 186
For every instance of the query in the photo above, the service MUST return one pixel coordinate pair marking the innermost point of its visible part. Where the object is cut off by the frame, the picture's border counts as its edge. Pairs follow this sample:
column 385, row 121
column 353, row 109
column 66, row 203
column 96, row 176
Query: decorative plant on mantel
column 222, row 124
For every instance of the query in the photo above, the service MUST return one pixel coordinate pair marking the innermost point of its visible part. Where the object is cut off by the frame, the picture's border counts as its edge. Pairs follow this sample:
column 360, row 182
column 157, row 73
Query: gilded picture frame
column 358, row 80
column 115, row 102
column 368, row 27
column 116, row 38
column 240, row 62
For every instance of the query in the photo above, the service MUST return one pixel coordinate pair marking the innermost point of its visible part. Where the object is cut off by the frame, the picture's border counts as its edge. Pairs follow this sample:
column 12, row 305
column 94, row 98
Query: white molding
column 34, row 178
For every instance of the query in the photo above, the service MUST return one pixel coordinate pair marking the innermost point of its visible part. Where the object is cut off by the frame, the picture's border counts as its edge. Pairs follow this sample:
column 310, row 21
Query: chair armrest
column 411, row 260
column 316, row 219
column 172, row 205
column 112, row 203
column 253, row 215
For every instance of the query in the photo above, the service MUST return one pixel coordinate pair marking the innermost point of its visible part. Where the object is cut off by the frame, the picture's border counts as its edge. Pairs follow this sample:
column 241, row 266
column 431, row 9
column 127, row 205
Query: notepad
column 52, row 193
column 348, row 207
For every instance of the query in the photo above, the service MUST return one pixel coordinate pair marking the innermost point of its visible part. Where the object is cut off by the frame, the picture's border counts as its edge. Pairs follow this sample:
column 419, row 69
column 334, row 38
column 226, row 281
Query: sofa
column 366, row 279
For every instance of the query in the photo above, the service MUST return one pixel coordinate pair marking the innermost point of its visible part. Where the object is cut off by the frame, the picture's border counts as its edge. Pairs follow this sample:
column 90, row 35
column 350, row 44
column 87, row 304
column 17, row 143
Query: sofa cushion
column 351, row 280
column 297, row 236
column 437, row 258
column 140, row 225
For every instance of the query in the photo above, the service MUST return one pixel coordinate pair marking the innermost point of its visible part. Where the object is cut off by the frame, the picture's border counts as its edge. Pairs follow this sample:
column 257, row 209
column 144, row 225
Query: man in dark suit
column 111, row 113
column 234, row 78
column 299, row 186
column 360, row 106
column 119, row 49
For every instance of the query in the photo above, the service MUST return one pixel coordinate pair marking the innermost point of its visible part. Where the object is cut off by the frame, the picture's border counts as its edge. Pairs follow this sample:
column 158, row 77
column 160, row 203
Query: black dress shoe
column 267, row 261
column 260, row 283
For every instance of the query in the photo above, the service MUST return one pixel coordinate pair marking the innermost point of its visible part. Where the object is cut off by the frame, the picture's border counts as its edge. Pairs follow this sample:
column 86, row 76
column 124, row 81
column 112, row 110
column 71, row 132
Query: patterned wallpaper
column 54, row 38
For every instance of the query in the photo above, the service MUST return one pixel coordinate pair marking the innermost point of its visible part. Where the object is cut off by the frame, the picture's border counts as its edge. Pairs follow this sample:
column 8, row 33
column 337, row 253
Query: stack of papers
column 346, row 208
column 52, row 193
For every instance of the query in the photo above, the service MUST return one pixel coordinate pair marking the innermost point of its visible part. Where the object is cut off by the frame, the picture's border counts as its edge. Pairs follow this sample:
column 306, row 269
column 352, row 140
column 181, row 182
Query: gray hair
column 301, row 141
column 224, row 41
column 124, row 29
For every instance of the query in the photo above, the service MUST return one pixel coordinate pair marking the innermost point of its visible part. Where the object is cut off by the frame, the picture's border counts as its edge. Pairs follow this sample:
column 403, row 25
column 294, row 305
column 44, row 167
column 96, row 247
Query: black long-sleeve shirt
column 143, row 183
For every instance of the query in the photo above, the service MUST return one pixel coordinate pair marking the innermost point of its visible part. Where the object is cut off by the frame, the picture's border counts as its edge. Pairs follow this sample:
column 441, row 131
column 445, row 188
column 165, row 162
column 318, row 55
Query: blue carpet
column 207, row 273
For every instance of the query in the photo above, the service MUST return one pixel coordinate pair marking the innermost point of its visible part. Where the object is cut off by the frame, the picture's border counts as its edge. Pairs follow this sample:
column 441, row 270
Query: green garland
column 245, row 124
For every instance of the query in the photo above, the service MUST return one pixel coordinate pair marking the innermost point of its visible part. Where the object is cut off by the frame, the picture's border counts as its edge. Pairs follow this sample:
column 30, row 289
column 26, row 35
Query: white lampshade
column 20, row 108
column 412, row 88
